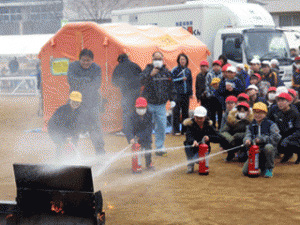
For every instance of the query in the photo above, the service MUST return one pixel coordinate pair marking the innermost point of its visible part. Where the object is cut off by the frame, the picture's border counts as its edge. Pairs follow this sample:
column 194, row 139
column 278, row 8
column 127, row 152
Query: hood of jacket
column 233, row 120
column 190, row 121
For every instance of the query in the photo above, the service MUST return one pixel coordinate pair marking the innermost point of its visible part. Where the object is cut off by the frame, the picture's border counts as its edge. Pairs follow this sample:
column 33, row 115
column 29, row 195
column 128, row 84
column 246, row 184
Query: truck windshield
column 266, row 45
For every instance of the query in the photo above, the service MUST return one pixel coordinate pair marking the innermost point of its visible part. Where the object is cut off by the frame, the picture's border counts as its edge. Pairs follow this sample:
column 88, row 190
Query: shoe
column 298, row 160
column 286, row 158
column 229, row 157
column 190, row 169
column 268, row 173
column 177, row 134
column 161, row 153
column 150, row 167
column 120, row 133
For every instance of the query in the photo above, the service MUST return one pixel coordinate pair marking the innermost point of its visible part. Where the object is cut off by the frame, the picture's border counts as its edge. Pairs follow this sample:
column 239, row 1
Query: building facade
column 30, row 16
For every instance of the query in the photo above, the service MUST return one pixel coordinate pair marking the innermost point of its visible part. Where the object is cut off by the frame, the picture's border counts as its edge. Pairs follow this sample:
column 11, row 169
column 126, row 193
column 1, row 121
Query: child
column 265, row 134
column 198, row 128
column 231, row 102
column 141, row 128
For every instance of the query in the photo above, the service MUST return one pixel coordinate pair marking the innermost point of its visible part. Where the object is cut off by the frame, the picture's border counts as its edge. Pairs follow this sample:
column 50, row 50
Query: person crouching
column 198, row 128
column 265, row 134
column 140, row 128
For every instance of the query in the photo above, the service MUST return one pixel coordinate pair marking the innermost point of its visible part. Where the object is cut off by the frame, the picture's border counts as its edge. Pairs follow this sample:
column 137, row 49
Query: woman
column 182, row 78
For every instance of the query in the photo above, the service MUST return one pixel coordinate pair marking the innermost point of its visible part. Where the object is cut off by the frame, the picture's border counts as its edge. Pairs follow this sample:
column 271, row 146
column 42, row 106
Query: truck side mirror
column 237, row 43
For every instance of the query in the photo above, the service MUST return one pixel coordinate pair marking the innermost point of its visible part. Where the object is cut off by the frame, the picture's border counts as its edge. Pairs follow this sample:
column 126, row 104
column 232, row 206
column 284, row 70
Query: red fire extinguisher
column 203, row 163
column 136, row 158
column 253, row 161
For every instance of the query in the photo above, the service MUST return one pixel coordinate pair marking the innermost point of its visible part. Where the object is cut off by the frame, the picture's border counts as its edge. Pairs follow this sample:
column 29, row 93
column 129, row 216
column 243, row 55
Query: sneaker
column 161, row 153
column 268, row 173
column 120, row 133
column 298, row 160
column 150, row 167
column 190, row 169
column 286, row 158
column 177, row 134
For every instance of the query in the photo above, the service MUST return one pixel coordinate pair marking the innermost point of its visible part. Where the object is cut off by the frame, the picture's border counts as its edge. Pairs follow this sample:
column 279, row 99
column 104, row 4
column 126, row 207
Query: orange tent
column 107, row 41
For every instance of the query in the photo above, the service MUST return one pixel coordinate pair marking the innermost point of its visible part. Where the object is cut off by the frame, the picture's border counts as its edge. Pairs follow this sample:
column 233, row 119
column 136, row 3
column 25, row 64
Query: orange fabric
column 107, row 41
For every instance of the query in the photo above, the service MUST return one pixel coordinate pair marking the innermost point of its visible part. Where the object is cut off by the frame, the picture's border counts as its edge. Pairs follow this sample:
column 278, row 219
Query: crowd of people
column 239, row 106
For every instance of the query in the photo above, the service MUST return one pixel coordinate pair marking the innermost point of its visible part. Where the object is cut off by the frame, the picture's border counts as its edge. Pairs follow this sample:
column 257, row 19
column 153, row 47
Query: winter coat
column 141, row 127
column 210, row 76
column 181, row 86
column 200, row 86
column 273, row 79
column 64, row 121
column 267, row 132
column 296, row 80
column 235, row 128
column 87, row 82
column 126, row 76
column 287, row 122
column 159, row 88
column 237, row 89
column 245, row 78
column 195, row 133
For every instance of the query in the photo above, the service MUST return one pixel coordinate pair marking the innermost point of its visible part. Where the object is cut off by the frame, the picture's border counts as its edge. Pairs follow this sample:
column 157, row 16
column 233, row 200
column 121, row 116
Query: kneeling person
column 265, row 134
column 63, row 125
column 198, row 128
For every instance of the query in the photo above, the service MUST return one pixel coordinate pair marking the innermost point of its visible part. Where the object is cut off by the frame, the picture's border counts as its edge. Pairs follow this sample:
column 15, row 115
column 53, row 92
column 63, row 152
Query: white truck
column 240, row 31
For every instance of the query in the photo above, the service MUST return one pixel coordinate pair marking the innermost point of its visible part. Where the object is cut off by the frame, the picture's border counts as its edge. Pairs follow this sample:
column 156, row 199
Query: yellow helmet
column 76, row 96
column 215, row 81
column 260, row 106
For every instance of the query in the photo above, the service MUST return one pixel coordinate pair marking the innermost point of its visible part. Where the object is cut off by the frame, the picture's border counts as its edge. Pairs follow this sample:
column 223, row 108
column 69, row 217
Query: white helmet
column 281, row 89
column 200, row 111
column 274, row 61
column 255, row 61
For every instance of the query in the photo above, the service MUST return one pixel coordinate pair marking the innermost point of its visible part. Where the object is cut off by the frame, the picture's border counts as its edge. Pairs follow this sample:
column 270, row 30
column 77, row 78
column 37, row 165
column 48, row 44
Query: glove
column 172, row 104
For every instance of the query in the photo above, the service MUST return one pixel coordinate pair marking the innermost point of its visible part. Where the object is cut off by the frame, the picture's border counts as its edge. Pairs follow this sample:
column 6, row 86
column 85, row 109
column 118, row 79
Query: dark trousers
column 128, row 107
column 289, row 150
column 242, row 157
column 60, row 140
column 215, row 108
column 89, row 121
column 191, row 151
column 182, row 104
column 148, row 155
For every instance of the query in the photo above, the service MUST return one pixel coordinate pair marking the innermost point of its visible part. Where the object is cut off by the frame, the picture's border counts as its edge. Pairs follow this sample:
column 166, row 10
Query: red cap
column 231, row 98
column 297, row 58
column 217, row 62
column 292, row 92
column 257, row 75
column 141, row 102
column 243, row 95
column 224, row 68
column 272, row 89
column 285, row 96
column 245, row 104
column 204, row 63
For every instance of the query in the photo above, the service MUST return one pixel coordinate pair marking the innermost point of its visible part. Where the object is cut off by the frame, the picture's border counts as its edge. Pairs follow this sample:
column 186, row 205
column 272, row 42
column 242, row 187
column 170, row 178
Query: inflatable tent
column 107, row 41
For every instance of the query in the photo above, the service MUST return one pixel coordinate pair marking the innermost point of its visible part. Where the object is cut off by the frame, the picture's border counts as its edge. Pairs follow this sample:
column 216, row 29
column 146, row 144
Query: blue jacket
column 296, row 79
column 237, row 89
column 182, row 87
column 245, row 78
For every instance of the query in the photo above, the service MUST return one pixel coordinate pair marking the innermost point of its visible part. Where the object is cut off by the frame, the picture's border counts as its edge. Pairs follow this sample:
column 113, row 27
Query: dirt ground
column 166, row 196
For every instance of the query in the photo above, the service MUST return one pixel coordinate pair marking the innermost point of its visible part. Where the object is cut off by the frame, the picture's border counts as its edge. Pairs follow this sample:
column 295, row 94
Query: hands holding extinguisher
column 248, row 141
column 196, row 144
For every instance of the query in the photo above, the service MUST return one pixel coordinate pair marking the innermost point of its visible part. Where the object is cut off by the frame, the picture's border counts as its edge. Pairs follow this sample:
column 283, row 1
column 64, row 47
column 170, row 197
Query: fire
column 57, row 209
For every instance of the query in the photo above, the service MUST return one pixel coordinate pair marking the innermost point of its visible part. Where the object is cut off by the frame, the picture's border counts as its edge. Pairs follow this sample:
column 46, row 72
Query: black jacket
column 159, row 88
column 200, row 85
column 126, row 76
column 64, row 121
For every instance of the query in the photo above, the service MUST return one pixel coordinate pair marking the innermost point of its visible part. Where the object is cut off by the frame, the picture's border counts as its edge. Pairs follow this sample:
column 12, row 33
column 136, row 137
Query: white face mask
column 271, row 96
column 157, row 63
column 241, row 115
column 141, row 112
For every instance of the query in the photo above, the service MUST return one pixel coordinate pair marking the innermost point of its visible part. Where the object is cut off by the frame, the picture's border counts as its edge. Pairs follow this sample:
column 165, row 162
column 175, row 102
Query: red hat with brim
column 204, row 63
column 272, row 89
column 225, row 67
column 141, row 102
column 243, row 104
column 297, row 59
column 218, row 62
column 285, row 96
column 292, row 92
column 256, row 75
column 231, row 98
column 243, row 95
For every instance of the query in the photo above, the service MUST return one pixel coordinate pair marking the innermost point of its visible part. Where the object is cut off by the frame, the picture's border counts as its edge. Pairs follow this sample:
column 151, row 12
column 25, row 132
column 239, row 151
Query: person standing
column 200, row 83
column 182, row 78
column 126, row 76
column 158, row 89
column 296, row 74
column 63, row 125
column 85, row 76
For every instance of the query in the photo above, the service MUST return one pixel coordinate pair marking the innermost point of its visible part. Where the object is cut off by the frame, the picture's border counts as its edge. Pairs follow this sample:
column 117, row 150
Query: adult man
column 85, row 76
column 126, row 76
column 159, row 88
column 63, row 125
column 288, row 122
column 200, row 83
